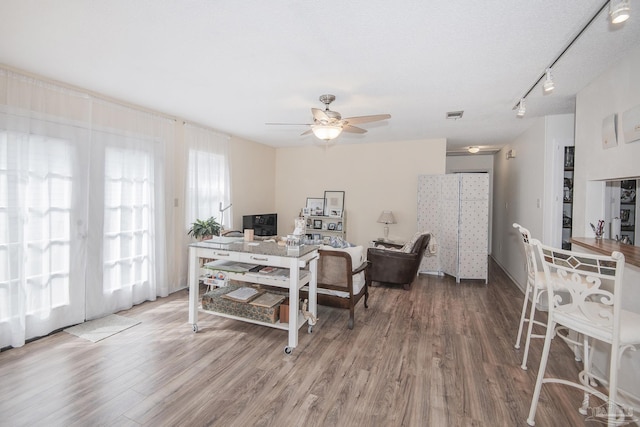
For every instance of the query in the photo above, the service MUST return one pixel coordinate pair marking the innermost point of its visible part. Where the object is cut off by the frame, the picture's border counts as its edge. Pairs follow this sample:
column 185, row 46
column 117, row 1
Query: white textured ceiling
column 235, row 65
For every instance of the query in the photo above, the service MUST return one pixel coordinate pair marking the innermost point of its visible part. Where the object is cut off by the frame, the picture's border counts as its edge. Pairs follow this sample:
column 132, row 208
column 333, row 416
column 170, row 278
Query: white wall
column 375, row 177
column 528, row 190
column 615, row 91
column 518, row 184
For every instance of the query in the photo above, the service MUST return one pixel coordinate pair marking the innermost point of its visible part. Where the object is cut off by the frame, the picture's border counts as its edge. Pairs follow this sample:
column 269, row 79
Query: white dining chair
column 536, row 285
column 585, row 296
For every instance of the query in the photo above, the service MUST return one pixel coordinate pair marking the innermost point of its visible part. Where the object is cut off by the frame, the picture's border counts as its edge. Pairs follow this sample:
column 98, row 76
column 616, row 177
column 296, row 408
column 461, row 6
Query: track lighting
column 521, row 108
column 619, row 11
column 473, row 150
column 548, row 82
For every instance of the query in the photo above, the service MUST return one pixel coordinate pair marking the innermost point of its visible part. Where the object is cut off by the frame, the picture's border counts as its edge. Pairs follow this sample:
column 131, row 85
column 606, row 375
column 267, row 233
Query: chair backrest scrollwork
column 584, row 285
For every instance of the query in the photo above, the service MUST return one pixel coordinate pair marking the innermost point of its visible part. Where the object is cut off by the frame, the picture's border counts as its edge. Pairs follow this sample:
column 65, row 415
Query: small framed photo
column 306, row 211
column 339, row 227
column 332, row 226
column 317, row 224
column 309, row 222
column 317, row 237
column 315, row 206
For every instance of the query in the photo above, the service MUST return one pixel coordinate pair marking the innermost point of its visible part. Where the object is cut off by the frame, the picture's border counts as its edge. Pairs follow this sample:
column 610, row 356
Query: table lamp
column 386, row 218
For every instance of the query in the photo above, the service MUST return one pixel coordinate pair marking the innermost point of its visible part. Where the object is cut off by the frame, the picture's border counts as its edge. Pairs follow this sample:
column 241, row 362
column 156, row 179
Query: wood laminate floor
column 440, row 354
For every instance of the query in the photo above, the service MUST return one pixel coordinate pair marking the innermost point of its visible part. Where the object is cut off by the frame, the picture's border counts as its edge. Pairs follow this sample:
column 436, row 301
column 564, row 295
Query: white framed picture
column 333, row 203
column 630, row 124
column 609, row 134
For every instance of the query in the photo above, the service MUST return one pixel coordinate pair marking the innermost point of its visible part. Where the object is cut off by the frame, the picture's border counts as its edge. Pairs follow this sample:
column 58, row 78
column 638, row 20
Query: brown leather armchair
column 395, row 267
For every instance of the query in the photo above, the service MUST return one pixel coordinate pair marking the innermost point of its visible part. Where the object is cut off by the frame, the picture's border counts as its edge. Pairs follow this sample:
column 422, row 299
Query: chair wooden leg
column 352, row 312
column 366, row 296
column 541, row 370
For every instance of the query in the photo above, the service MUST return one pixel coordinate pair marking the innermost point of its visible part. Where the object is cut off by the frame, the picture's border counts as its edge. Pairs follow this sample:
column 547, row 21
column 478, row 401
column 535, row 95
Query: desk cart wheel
column 310, row 329
column 288, row 350
column 195, row 327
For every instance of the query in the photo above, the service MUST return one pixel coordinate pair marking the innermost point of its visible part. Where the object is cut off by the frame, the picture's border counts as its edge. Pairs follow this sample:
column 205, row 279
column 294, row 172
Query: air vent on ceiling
column 455, row 115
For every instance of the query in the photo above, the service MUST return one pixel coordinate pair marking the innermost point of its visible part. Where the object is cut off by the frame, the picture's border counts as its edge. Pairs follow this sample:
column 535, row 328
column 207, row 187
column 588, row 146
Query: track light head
column 548, row 85
column 619, row 11
column 521, row 109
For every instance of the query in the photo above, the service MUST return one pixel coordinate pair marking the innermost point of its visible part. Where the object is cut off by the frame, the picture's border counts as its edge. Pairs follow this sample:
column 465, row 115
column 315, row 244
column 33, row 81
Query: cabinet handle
column 221, row 254
column 259, row 259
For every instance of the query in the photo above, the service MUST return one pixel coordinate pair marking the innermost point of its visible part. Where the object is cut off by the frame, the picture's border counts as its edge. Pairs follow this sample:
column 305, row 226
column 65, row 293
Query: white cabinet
column 455, row 208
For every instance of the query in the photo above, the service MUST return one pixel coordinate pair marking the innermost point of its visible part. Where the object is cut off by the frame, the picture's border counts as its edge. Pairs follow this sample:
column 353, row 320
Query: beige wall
column 253, row 169
column 375, row 177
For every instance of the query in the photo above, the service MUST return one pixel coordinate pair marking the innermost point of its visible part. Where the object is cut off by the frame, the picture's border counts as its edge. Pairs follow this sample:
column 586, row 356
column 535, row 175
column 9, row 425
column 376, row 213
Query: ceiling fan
column 328, row 124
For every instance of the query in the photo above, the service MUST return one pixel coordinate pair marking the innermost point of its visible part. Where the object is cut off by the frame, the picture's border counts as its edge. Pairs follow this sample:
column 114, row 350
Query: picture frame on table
column 332, row 226
column 339, row 227
column 317, row 224
column 317, row 236
column 333, row 203
column 315, row 206
column 306, row 211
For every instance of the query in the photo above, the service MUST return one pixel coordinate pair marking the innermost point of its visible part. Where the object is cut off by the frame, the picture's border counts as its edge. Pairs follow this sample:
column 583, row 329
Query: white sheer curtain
column 43, row 164
column 127, row 237
column 82, row 207
column 208, row 176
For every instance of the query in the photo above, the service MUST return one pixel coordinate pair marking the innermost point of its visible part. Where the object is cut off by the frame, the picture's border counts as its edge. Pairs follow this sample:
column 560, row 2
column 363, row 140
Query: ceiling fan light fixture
column 548, row 85
column 473, row 149
column 326, row 132
column 619, row 11
column 521, row 109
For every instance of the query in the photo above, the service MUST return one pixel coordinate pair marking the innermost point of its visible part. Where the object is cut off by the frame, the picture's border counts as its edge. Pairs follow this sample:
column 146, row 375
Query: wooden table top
column 606, row 246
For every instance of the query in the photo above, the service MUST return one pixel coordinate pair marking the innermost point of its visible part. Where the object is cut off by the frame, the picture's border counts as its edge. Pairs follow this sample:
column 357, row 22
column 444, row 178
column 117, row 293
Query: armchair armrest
column 391, row 255
column 362, row 267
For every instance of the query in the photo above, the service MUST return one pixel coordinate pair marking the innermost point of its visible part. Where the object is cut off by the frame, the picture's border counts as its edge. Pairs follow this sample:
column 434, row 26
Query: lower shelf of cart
column 277, row 325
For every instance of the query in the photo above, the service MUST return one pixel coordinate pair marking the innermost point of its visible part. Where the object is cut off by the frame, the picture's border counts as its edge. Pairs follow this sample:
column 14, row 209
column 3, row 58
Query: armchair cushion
column 333, row 272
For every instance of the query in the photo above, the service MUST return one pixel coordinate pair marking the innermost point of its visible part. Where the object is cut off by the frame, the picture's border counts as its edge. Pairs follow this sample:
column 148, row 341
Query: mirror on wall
column 623, row 215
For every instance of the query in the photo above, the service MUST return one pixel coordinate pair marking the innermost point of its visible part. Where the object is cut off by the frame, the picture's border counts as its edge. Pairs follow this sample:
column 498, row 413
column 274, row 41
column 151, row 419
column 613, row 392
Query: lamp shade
column 386, row 217
column 326, row 132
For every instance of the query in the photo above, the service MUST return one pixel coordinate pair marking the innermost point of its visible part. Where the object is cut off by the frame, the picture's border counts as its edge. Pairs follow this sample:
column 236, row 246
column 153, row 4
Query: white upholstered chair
column 585, row 296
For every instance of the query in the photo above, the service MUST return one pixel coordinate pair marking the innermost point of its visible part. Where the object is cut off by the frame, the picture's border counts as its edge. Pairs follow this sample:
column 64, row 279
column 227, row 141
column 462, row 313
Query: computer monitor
column 262, row 224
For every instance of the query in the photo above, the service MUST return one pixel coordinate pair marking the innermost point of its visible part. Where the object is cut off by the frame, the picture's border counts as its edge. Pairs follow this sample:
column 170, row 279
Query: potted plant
column 204, row 228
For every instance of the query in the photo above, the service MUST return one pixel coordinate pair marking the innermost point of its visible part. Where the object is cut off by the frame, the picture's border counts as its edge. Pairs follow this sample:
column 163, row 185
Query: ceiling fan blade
column 366, row 119
column 289, row 124
column 353, row 129
column 319, row 115
column 306, row 132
